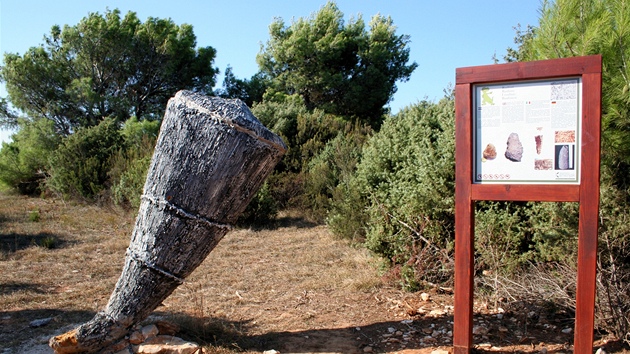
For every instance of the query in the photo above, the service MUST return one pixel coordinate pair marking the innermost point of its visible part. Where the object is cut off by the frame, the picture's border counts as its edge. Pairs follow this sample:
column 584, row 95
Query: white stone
column 149, row 331
column 567, row 330
column 440, row 351
column 368, row 349
column 480, row 330
column 166, row 345
column 272, row 351
column 425, row 297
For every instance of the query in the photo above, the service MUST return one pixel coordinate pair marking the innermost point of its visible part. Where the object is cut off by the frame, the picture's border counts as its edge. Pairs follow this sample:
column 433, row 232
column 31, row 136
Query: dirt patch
column 294, row 289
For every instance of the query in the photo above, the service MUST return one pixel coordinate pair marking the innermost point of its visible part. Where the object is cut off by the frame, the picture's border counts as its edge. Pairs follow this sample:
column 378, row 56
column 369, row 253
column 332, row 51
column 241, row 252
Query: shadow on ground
column 382, row 337
column 18, row 327
column 13, row 242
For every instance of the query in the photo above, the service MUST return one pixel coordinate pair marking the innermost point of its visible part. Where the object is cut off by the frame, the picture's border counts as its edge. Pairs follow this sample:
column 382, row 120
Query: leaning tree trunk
column 211, row 157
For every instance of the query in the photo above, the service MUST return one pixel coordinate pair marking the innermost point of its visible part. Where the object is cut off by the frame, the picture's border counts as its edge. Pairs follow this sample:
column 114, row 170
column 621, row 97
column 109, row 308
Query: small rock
column 480, row 330
column 567, row 330
column 407, row 322
column 40, row 323
column 503, row 329
column 425, row 297
column 440, row 351
column 272, row 351
column 167, row 344
column 399, row 333
column 149, row 331
column 543, row 351
column 437, row 313
column 368, row 349
column 499, row 316
column 136, row 337
column 600, row 351
column 391, row 330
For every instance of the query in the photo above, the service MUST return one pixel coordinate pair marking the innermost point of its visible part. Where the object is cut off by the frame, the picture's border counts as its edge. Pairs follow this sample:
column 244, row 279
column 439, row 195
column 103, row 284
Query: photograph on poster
column 527, row 132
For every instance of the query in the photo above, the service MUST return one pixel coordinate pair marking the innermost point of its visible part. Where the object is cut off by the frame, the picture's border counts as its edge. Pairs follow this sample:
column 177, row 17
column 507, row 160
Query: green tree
column 403, row 192
column 79, row 167
column 24, row 161
column 570, row 28
column 341, row 68
column 574, row 27
column 249, row 91
column 106, row 66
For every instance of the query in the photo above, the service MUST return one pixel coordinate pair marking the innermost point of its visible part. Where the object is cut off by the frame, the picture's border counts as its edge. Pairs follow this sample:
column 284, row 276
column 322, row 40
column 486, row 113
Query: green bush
column 262, row 209
column 403, row 192
column 306, row 133
column 80, row 166
column 129, row 173
column 23, row 161
column 129, row 166
column 331, row 170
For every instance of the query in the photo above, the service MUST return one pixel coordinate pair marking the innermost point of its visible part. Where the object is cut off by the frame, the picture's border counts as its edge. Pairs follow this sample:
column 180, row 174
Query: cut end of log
column 65, row 343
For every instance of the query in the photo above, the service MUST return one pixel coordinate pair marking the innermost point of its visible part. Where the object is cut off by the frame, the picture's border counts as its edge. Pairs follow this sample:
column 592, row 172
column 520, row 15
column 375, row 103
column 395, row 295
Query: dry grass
column 293, row 288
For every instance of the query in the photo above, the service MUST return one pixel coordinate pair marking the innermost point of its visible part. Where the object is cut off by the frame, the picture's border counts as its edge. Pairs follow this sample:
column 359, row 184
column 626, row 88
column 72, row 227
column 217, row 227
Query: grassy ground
column 293, row 288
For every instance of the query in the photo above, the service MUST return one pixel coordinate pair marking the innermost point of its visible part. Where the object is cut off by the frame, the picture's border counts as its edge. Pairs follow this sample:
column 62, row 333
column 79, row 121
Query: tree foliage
column 344, row 69
column 106, row 66
column 573, row 28
column 24, row 161
column 249, row 91
column 80, row 165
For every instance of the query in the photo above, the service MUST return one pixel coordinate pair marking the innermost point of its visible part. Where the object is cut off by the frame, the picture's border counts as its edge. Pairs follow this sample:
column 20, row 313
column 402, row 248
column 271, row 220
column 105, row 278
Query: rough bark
column 210, row 159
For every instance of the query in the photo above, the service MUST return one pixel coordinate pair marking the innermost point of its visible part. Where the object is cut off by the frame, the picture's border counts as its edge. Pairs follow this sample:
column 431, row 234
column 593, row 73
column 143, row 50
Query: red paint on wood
column 464, row 222
column 586, row 193
column 519, row 192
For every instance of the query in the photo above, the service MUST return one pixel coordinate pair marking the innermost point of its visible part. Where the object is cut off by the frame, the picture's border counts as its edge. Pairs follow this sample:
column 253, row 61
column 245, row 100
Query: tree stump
column 211, row 157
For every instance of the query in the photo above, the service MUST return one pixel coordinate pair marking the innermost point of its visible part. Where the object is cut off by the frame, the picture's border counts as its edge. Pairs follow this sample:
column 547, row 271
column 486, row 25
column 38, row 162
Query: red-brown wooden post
column 585, row 190
column 589, row 213
column 464, row 224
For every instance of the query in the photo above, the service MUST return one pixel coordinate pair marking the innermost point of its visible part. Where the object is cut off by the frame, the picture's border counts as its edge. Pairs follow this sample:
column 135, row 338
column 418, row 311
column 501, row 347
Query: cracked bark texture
column 210, row 159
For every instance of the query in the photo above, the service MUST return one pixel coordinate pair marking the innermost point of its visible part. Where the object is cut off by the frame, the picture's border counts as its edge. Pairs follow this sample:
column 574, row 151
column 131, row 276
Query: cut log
column 210, row 159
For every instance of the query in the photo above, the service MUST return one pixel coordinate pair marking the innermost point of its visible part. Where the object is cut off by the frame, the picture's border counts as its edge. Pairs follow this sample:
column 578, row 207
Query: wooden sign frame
column 586, row 192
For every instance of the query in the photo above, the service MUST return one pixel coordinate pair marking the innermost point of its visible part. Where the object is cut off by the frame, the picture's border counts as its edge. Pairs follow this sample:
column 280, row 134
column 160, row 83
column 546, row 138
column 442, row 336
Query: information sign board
column 527, row 132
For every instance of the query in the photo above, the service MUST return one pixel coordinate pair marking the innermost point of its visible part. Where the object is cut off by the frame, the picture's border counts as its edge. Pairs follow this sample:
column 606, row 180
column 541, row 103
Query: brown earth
column 293, row 288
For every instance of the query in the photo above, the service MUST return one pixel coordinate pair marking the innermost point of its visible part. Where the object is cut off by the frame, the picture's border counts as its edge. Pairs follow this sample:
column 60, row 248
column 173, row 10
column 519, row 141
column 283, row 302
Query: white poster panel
column 527, row 132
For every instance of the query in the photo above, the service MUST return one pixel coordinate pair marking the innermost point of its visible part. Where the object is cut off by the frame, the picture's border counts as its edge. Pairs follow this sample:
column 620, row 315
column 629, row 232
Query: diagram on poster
column 527, row 132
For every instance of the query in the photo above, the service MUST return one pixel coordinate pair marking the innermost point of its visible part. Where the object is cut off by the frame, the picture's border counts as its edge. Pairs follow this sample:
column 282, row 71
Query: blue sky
column 445, row 34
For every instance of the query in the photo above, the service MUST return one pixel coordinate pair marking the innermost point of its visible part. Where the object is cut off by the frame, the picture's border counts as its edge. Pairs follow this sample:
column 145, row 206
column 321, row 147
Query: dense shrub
column 23, row 161
column 261, row 210
column 306, row 133
column 331, row 170
column 80, row 166
column 129, row 166
column 404, row 187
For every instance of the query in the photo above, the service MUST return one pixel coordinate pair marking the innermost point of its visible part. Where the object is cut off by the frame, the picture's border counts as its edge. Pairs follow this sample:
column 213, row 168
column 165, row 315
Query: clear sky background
column 445, row 34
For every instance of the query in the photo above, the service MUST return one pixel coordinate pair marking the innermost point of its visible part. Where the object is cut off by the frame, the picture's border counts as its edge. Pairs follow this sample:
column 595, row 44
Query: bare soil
column 292, row 287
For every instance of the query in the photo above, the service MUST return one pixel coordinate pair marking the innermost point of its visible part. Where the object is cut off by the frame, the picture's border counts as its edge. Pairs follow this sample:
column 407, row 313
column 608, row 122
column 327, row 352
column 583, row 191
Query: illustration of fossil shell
column 538, row 139
column 490, row 152
column 563, row 158
column 514, row 151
